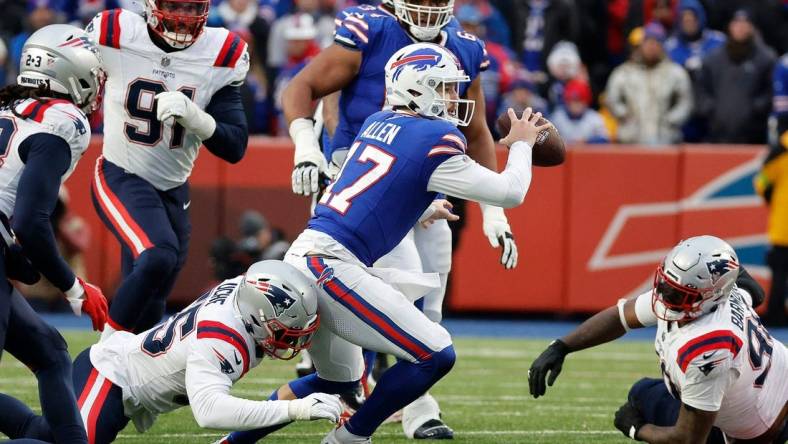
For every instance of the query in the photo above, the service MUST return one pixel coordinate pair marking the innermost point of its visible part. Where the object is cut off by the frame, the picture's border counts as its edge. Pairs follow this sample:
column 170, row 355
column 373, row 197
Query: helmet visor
column 679, row 302
column 284, row 342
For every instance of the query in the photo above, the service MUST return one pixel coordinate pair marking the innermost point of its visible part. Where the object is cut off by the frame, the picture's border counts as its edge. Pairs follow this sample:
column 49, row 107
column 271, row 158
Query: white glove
column 175, row 104
column 315, row 406
column 496, row 228
column 308, row 160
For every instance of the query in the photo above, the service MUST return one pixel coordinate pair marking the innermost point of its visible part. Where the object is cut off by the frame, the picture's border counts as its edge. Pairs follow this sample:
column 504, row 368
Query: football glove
column 552, row 360
column 310, row 165
column 315, row 406
column 88, row 298
column 175, row 104
column 496, row 228
column 629, row 420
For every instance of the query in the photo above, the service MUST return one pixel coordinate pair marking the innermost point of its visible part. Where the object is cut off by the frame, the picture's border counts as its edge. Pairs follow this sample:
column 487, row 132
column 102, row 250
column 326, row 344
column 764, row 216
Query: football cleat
column 340, row 435
column 434, row 429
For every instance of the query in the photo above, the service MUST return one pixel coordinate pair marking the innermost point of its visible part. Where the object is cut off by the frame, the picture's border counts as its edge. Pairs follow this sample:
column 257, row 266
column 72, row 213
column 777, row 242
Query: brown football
column 549, row 149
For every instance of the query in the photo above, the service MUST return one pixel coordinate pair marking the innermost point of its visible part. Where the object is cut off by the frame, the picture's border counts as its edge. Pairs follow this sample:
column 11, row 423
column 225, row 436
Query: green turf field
column 485, row 397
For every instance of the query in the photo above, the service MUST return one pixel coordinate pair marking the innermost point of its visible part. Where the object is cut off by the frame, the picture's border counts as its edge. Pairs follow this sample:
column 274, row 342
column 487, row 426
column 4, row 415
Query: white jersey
column 725, row 361
column 193, row 358
column 137, row 70
column 57, row 117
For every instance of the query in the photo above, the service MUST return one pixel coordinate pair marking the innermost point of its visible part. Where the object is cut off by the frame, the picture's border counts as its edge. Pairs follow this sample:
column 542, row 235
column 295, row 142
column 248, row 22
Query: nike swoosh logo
column 237, row 361
column 709, row 355
column 186, row 205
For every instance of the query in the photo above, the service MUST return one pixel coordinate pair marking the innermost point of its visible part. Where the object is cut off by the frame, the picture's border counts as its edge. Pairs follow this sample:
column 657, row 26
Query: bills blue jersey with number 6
column 381, row 191
column 378, row 35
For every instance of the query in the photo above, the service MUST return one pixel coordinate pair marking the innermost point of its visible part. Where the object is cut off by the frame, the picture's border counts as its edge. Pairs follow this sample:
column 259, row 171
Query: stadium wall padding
column 590, row 231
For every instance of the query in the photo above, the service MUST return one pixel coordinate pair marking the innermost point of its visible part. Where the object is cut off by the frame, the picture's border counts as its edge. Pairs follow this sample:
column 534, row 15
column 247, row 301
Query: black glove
column 629, row 420
column 18, row 267
column 551, row 360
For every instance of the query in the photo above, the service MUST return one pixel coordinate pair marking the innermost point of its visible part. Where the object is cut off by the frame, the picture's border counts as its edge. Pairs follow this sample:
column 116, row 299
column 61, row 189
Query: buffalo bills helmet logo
column 279, row 299
column 718, row 267
column 419, row 60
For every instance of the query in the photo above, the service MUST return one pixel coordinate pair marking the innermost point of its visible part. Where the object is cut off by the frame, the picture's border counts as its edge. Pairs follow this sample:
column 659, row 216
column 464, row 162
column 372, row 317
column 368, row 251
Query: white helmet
column 697, row 275
column 425, row 78
column 278, row 306
column 424, row 22
column 68, row 61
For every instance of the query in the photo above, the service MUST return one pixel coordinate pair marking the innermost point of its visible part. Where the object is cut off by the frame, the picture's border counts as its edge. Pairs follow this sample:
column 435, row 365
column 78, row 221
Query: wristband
column 621, row 316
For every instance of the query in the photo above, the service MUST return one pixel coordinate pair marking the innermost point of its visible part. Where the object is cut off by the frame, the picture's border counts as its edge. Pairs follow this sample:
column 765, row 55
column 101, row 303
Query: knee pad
column 158, row 261
column 443, row 361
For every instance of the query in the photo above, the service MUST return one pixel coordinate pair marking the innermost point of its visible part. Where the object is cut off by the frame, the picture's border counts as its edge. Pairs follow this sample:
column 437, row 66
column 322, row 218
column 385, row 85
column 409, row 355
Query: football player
column 195, row 357
column 719, row 364
column 44, row 130
column 365, row 38
column 172, row 86
column 400, row 160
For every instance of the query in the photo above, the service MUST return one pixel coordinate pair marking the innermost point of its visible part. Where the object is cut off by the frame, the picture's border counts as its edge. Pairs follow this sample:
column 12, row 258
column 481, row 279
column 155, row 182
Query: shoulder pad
column 708, row 347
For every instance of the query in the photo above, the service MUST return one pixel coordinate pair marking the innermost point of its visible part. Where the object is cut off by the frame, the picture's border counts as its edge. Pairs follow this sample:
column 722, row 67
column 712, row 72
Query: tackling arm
column 605, row 326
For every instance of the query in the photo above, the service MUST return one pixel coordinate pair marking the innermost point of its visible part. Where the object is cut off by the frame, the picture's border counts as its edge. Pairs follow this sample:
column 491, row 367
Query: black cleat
column 434, row 429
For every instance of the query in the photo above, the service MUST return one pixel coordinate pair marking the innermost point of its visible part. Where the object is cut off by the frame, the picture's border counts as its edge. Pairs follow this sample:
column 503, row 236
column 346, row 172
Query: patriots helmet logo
column 279, row 299
column 224, row 364
column 418, row 60
column 718, row 267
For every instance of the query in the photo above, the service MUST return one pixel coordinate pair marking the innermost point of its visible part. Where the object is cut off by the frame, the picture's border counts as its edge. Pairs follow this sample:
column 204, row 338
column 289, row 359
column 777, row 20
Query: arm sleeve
column 47, row 157
column 750, row 286
column 707, row 381
column 460, row 176
column 644, row 311
column 208, row 389
column 229, row 140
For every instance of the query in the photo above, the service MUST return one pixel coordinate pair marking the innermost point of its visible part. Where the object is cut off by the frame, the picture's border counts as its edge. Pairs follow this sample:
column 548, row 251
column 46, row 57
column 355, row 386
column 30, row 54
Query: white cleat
column 342, row 436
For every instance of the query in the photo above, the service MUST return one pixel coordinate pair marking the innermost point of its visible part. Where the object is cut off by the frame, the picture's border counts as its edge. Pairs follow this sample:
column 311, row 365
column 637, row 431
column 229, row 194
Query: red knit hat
column 577, row 89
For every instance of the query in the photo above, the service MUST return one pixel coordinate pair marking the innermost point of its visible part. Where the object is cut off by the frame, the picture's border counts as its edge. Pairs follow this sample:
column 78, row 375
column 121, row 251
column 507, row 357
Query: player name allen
column 384, row 132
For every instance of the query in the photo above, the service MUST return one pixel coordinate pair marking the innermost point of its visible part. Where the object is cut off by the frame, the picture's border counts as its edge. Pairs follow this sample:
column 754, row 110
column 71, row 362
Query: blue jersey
column 378, row 35
column 381, row 191
column 780, row 89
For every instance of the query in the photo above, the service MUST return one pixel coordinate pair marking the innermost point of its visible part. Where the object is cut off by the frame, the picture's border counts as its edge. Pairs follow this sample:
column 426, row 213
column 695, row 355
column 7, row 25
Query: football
column 549, row 149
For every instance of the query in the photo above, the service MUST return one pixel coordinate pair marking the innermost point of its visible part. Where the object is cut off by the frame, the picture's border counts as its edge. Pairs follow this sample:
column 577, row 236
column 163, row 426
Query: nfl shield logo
column 165, row 61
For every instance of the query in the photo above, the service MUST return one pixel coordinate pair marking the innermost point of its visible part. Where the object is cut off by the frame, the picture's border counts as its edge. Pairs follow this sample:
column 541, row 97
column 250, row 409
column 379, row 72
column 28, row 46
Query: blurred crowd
column 649, row 72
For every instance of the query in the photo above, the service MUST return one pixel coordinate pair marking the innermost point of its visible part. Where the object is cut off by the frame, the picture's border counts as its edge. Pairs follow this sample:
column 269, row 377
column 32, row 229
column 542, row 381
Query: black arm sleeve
column 746, row 282
column 47, row 157
column 229, row 140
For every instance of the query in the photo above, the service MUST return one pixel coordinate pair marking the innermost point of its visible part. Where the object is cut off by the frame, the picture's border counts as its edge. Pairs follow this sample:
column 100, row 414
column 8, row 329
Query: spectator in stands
column 576, row 121
column 521, row 96
column 691, row 42
column 768, row 16
column 255, row 91
column 563, row 65
column 300, row 34
column 495, row 27
column 735, row 85
column 772, row 184
column 40, row 14
column 497, row 78
column 650, row 96
column 237, row 14
column 537, row 25
column 277, row 41
column 260, row 241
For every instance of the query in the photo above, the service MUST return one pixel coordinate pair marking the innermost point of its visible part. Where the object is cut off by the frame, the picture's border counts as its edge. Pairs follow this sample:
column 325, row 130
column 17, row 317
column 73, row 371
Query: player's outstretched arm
column 692, row 426
column 461, row 177
column 208, row 390
column 47, row 157
column 605, row 326
column 231, row 135
column 330, row 71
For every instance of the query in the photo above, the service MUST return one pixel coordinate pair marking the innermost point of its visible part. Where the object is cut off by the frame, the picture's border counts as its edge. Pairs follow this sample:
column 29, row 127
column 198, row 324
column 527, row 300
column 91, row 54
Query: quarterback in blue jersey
column 398, row 163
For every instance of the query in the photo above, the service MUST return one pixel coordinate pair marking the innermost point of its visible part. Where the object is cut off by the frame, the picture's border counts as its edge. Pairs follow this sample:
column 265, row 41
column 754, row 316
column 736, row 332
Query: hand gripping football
column 549, row 149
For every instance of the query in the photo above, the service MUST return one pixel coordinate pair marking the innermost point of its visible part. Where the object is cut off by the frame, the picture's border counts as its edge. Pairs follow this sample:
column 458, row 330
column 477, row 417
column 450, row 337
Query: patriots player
column 44, row 131
column 719, row 364
column 173, row 85
column 400, row 160
column 194, row 358
column 365, row 38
